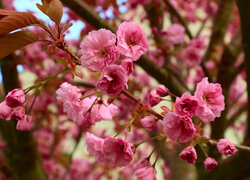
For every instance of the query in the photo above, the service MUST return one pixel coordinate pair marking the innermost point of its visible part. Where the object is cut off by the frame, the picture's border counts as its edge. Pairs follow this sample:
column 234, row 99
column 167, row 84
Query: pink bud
column 5, row 111
column 15, row 98
column 225, row 147
column 162, row 91
column 210, row 163
column 154, row 99
column 25, row 124
column 18, row 113
column 189, row 155
column 148, row 122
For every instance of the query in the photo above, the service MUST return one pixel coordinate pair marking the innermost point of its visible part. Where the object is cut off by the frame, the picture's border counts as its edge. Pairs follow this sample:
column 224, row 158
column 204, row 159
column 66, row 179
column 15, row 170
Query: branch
column 245, row 26
column 226, row 68
column 162, row 76
column 234, row 167
column 219, row 28
column 179, row 17
column 236, row 115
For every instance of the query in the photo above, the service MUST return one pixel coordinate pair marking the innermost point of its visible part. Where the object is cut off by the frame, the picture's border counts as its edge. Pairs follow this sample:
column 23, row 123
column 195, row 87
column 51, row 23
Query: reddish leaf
column 11, row 42
column 16, row 21
column 6, row 12
column 53, row 9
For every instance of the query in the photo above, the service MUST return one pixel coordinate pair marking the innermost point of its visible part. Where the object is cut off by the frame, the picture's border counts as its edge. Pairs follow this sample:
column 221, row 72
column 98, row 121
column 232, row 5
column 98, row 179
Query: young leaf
column 16, row 21
column 53, row 9
column 6, row 12
column 11, row 42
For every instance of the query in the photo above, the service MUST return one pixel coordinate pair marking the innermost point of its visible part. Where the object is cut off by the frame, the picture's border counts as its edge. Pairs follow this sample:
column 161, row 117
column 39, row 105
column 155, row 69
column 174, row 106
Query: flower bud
column 162, row 91
column 154, row 99
column 18, row 113
column 189, row 155
column 148, row 122
column 5, row 111
column 25, row 124
column 210, row 163
column 15, row 98
column 225, row 147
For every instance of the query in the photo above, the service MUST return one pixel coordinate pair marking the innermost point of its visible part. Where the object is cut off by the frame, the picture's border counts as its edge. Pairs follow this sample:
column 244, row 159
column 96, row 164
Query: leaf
column 11, row 42
column 66, row 27
column 6, row 12
column 53, row 9
column 16, row 21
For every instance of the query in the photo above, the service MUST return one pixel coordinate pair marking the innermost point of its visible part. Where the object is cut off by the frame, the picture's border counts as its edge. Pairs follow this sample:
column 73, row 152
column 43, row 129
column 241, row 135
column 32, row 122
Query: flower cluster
column 12, row 108
column 112, row 151
column 100, row 53
column 87, row 111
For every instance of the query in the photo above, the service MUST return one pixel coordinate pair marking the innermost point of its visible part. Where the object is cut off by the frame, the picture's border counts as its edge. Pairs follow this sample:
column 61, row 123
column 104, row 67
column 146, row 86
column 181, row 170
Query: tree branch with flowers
column 92, row 91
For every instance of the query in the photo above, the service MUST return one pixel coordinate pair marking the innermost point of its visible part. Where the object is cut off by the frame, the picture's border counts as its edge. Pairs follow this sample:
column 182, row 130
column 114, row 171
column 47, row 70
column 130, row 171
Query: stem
column 158, row 154
column 147, row 140
column 149, row 156
column 203, row 150
column 128, row 94
column 33, row 102
column 75, row 59
column 53, row 76
column 41, row 83
column 89, row 95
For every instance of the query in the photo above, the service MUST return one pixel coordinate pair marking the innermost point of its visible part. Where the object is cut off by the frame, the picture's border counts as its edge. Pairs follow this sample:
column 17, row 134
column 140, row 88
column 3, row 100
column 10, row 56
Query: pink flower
column 186, row 105
column 132, row 41
column 198, row 43
column 210, row 100
column 5, row 111
column 225, row 147
column 18, row 113
column 145, row 172
column 148, row 122
column 15, row 98
column 174, row 34
column 143, row 78
column 178, row 127
column 235, row 91
column 95, row 146
column 128, row 65
column 113, row 80
column 100, row 111
column 154, row 99
column 8, row 4
column 99, row 50
column 210, row 163
column 191, row 56
column 25, row 124
column 68, row 92
column 118, row 151
column 189, row 155
column 74, row 111
column 162, row 91
column 112, row 151
column 157, row 57
column 211, row 8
